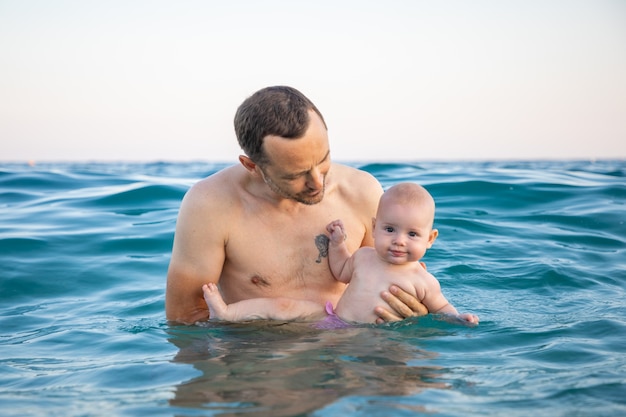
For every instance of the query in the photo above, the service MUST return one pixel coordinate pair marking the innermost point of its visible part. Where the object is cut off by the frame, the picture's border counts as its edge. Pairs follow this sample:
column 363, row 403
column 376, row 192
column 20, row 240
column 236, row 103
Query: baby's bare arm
column 338, row 254
column 437, row 303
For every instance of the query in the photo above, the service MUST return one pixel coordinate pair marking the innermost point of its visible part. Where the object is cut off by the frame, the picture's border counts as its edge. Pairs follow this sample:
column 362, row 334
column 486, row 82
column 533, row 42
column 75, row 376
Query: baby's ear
column 432, row 237
column 373, row 223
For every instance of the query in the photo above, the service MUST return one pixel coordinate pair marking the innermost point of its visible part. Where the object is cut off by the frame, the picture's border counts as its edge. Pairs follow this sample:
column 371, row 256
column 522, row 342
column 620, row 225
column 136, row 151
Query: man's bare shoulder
column 347, row 172
column 216, row 190
column 355, row 183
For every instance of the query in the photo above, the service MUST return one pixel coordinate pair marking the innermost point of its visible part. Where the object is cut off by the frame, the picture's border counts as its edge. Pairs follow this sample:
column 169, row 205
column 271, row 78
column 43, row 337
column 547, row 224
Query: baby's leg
column 218, row 310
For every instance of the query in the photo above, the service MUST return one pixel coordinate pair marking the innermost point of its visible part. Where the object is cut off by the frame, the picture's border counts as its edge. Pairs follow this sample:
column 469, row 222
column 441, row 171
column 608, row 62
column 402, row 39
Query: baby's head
column 403, row 228
column 411, row 195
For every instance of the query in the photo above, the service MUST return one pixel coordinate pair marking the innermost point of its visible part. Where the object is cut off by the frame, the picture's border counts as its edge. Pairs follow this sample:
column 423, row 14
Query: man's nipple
column 259, row 281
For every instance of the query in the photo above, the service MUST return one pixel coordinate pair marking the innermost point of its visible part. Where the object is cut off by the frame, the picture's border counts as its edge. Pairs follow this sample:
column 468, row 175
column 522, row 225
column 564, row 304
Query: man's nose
column 315, row 180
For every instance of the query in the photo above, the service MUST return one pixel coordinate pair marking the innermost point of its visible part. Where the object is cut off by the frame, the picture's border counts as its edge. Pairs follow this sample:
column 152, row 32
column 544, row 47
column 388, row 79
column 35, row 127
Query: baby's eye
column 389, row 229
column 413, row 234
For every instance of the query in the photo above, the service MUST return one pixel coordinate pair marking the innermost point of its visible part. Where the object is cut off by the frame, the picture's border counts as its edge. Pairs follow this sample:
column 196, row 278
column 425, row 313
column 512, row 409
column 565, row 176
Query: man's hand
column 403, row 304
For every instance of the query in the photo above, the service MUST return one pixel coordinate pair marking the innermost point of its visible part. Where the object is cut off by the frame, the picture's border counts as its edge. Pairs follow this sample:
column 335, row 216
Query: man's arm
column 198, row 256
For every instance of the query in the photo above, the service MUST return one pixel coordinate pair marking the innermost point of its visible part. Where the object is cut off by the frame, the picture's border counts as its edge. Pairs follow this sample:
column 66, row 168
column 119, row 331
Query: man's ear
column 432, row 237
column 247, row 163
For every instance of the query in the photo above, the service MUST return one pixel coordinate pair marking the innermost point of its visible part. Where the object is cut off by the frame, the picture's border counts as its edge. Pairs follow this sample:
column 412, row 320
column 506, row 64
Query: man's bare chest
column 288, row 246
column 281, row 257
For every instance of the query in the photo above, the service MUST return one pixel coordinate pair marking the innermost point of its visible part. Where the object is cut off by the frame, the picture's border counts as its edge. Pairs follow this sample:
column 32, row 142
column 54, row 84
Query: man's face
column 298, row 167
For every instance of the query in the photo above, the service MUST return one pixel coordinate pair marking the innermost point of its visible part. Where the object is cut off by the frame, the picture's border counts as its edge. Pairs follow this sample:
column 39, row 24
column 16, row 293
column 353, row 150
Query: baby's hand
column 337, row 231
column 468, row 318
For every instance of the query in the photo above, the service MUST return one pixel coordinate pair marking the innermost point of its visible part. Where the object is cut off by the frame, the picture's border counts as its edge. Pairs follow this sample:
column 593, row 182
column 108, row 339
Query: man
column 258, row 228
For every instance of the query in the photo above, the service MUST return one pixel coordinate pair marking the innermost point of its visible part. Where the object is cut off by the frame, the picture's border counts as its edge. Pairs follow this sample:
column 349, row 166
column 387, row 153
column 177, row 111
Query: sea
column 537, row 249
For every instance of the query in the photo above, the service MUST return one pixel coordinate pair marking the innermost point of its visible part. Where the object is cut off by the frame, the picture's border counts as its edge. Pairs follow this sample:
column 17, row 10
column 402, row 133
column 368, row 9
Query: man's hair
column 277, row 111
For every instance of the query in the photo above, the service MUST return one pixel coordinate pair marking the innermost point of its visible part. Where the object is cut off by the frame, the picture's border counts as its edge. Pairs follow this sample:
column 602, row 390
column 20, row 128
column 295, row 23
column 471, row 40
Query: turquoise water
column 536, row 249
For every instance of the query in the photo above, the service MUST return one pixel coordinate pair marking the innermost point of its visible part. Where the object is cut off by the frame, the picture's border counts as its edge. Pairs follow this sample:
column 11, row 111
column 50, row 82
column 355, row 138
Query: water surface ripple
column 536, row 248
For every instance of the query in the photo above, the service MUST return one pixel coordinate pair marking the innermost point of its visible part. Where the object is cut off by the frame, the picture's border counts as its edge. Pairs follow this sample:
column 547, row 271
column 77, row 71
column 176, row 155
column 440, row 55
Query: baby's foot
column 218, row 310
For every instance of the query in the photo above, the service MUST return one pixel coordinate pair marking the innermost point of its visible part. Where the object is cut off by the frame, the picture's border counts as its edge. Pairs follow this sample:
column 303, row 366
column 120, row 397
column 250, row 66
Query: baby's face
column 403, row 233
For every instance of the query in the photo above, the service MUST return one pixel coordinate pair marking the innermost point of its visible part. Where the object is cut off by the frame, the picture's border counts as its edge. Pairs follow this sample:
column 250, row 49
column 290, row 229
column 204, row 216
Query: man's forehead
column 299, row 154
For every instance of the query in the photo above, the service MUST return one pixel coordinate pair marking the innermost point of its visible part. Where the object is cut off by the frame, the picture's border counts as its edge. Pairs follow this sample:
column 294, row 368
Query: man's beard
column 303, row 198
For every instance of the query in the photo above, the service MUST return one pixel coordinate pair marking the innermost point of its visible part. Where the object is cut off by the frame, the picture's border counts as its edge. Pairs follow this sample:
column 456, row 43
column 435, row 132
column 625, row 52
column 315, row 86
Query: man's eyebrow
column 297, row 174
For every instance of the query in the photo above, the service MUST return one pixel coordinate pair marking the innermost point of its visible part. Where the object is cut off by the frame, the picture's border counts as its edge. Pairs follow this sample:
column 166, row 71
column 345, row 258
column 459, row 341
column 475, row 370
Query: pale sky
column 145, row 80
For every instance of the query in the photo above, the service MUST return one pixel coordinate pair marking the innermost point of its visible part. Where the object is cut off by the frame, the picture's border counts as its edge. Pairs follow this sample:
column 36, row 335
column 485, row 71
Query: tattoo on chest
column 321, row 241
